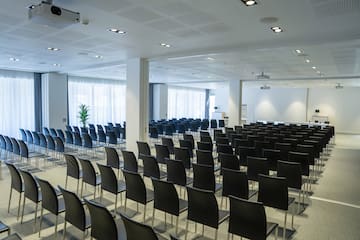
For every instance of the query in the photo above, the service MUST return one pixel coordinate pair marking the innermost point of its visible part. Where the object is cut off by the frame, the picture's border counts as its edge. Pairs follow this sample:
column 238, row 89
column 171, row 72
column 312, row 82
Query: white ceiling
column 212, row 40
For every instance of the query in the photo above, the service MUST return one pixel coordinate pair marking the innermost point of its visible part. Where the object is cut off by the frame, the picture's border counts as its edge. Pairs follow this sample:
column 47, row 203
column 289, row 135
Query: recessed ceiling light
column 53, row 49
column 165, row 45
column 249, row 2
column 98, row 56
column 115, row 30
column 277, row 29
column 307, row 60
column 14, row 59
column 56, row 65
column 210, row 58
column 313, row 67
column 298, row 51
column 318, row 72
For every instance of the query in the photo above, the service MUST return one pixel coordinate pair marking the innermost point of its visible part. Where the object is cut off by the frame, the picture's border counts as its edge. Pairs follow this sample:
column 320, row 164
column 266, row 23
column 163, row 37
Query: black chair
column 204, row 178
column 110, row 183
column 273, row 192
column 8, row 144
column 143, row 149
column 190, row 138
column 87, row 141
column 189, row 145
column 23, row 135
column 16, row 184
column 60, row 134
column 53, row 132
column 206, row 138
column 203, row 208
column 136, row 190
column 303, row 159
column 284, row 148
column 292, row 172
column 89, row 175
column 235, row 183
column 169, row 143
column 93, row 134
column 273, row 156
column 113, row 159
column 72, row 170
column 229, row 161
column 102, row 136
column 31, row 191
column 245, row 152
column 76, row 129
column 46, row 131
column 36, row 139
column 15, row 146
column 205, row 146
column 103, row 226
column 130, row 162
column 29, row 136
column 77, row 139
column 136, row 230
column 50, row 202
column 257, row 166
column 151, row 168
column 183, row 154
column 176, row 173
column 162, row 152
column 69, row 137
column 248, row 219
column 222, row 148
column 222, row 140
column 74, row 212
column 204, row 157
column 112, row 138
column 166, row 199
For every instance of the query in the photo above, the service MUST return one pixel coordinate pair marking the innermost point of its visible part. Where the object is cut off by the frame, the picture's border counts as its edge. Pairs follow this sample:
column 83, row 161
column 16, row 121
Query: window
column 17, row 102
column 105, row 99
column 186, row 102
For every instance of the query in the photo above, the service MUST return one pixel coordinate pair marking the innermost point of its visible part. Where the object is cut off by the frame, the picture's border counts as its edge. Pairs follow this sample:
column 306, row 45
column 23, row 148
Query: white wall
column 222, row 98
column 54, row 100
column 275, row 104
column 160, row 101
column 340, row 105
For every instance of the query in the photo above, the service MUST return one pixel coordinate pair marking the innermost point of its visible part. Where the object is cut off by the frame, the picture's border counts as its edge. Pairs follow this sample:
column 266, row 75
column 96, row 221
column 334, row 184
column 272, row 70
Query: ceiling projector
column 46, row 13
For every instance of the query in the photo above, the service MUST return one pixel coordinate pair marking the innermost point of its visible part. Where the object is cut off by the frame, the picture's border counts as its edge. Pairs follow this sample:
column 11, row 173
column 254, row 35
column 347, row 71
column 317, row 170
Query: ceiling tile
column 140, row 14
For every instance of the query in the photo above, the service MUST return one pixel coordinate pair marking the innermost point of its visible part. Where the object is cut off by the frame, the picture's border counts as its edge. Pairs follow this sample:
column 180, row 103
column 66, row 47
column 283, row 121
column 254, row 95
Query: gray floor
column 333, row 211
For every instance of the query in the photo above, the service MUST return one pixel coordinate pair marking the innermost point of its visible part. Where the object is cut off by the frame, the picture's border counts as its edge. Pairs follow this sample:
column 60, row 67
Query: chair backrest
column 130, row 162
column 89, row 174
column 31, row 190
column 284, row 149
column 103, row 226
column 109, row 181
column 53, row 132
column 189, row 137
column 247, row 219
column 77, row 139
column 204, row 157
column 183, row 154
column 74, row 209
column 223, row 148
column 43, row 141
column 169, row 143
column 16, row 181
column 151, row 167
column 176, row 172
column 23, row 135
column 112, row 157
column 203, row 207
column 36, row 138
column 135, row 187
column 69, row 128
column 187, row 144
column 204, row 177
column 84, row 130
column 72, row 166
column 165, row 197
column 2, row 142
column 306, row 148
column 29, row 137
column 292, row 172
column 229, row 161
column 143, row 149
column 93, row 134
column 15, row 146
column 257, row 166
column 76, row 129
column 49, row 201
column 205, row 138
column 24, row 150
column 162, row 152
column 50, row 142
column 87, row 140
column 112, row 137
column 235, row 183
column 135, row 230
column 59, row 144
column 303, row 159
column 273, row 192
column 102, row 136
column 46, row 131
column 60, row 134
column 205, row 146
column 69, row 137
column 9, row 145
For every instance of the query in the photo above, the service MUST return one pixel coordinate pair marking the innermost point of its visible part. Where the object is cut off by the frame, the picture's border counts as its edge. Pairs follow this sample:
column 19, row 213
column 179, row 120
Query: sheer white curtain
column 186, row 102
column 105, row 98
column 16, row 102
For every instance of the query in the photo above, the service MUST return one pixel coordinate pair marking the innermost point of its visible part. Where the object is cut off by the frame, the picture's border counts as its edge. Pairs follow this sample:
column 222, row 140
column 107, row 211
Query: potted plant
column 83, row 114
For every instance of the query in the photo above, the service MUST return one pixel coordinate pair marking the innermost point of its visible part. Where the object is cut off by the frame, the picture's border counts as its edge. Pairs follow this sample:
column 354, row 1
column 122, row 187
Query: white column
column 137, row 92
column 160, row 101
column 235, row 102
column 54, row 100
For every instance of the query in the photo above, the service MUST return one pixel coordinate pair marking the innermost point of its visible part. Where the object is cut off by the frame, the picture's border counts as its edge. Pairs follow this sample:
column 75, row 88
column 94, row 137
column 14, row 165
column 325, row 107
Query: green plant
column 83, row 114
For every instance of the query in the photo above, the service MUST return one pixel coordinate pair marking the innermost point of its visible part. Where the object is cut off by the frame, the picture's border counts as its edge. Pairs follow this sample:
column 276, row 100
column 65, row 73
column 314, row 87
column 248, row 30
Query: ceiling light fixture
column 339, row 86
column 265, row 87
column 115, row 30
column 298, row 51
column 210, row 58
column 98, row 56
column 53, row 49
column 56, row 65
column 14, row 59
column 318, row 72
column 249, row 2
column 313, row 67
column 277, row 29
column 165, row 45
column 307, row 60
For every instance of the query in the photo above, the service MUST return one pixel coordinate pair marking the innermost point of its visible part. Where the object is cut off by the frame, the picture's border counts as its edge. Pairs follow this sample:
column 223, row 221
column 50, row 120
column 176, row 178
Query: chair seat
column 189, row 180
column 270, row 226
column 3, row 227
column 121, row 186
column 218, row 186
column 149, row 195
column 217, row 168
column 98, row 180
column 13, row 236
column 223, row 215
column 61, row 205
column 183, row 205
column 291, row 200
column 252, row 193
column 163, row 175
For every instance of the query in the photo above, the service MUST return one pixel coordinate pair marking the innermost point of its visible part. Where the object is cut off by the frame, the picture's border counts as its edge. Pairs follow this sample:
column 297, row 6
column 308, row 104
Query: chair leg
column 66, row 181
column 77, row 186
column 82, row 186
column 125, row 204
column 203, row 227
column 144, row 212
column 41, row 218
column 56, row 225
column 65, row 231
column 153, row 217
column 22, row 214
column 36, row 210
column 284, row 231
column 187, row 227
column 276, row 232
column 94, row 192
column 298, row 205
column 216, row 234
column 9, row 199
column 116, row 199
column 18, row 213
column 177, row 225
column 165, row 220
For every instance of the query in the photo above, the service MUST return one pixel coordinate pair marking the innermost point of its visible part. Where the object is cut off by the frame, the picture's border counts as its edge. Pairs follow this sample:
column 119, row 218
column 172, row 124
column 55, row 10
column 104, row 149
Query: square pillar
column 137, row 107
column 235, row 102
